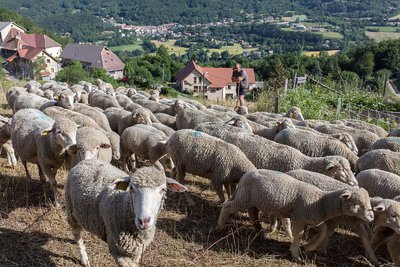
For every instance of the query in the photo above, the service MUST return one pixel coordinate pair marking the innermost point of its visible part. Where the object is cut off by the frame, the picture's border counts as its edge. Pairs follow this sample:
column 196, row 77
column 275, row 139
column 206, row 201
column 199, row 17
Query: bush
column 168, row 91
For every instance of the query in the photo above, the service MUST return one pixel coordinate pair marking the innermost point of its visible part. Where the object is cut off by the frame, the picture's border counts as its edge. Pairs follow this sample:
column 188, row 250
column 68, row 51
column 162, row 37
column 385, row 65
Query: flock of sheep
column 296, row 172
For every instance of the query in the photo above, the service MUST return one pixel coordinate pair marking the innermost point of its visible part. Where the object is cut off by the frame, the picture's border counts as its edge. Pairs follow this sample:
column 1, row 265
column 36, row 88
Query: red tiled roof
column 32, row 40
column 11, row 58
column 110, row 60
column 218, row 77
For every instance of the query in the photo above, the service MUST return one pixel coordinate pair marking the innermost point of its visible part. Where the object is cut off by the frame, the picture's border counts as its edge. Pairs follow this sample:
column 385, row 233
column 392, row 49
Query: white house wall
column 54, row 51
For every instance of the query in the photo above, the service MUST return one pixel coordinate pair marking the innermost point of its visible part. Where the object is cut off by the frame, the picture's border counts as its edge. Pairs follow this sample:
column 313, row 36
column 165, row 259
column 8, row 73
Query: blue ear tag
column 196, row 134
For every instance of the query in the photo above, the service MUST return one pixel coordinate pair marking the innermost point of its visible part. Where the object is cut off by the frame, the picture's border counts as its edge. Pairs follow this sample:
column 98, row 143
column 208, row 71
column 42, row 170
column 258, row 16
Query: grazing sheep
column 98, row 116
column 167, row 120
column 276, row 193
column 114, row 115
column 189, row 118
column 363, row 139
column 39, row 139
column 137, row 116
column 382, row 159
column 120, row 209
column 379, row 183
column 266, row 154
column 91, row 144
column 315, row 145
column 209, row 157
column 142, row 140
column 102, row 100
column 363, row 125
column 391, row 143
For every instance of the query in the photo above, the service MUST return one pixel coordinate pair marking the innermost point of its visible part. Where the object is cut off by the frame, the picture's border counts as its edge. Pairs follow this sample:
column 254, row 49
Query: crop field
column 326, row 35
column 128, row 48
column 35, row 233
column 383, row 28
column 382, row 36
column 172, row 49
column 317, row 53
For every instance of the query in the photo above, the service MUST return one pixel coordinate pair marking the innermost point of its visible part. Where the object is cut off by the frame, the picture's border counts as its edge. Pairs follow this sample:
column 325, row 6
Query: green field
column 128, row 48
column 382, row 36
column 235, row 49
column 172, row 48
column 383, row 28
column 326, row 35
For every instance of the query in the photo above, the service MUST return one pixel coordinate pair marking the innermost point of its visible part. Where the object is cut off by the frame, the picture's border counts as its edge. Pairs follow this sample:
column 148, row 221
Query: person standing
column 240, row 77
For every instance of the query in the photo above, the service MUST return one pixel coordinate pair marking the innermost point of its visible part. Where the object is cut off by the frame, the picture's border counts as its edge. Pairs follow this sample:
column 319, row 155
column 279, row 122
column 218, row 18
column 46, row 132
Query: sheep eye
column 393, row 215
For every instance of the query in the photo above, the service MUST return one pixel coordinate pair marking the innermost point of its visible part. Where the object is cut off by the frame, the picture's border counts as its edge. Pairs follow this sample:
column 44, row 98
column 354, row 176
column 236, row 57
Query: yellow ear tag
column 277, row 124
column 44, row 133
column 123, row 186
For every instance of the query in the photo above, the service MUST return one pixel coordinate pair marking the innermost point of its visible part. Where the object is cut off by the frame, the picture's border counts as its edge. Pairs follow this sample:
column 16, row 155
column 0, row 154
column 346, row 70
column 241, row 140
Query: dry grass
column 34, row 233
column 382, row 36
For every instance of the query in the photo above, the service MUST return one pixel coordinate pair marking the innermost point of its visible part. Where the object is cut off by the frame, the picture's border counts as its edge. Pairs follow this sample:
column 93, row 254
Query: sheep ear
column 174, row 186
column 346, row 195
column 122, row 183
column 380, row 208
column 72, row 149
column 277, row 123
column 106, row 146
column 397, row 198
column 56, row 97
column 46, row 131
column 330, row 166
column 230, row 122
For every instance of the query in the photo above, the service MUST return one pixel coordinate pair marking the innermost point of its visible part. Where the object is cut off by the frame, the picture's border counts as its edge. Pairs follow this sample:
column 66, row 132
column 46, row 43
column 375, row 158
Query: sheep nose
column 145, row 222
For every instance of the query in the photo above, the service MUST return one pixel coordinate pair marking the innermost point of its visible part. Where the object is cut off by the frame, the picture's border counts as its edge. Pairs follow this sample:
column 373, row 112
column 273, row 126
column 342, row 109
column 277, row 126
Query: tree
column 72, row 74
column 38, row 65
column 365, row 64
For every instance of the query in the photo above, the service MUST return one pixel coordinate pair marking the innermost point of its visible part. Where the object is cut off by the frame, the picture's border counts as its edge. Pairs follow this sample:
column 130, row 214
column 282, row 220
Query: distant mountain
column 82, row 18
column 31, row 27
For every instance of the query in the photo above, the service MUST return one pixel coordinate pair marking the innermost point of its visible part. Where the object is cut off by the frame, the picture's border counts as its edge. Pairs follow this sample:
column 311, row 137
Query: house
column 92, row 57
column 22, row 50
column 212, row 83
column 6, row 26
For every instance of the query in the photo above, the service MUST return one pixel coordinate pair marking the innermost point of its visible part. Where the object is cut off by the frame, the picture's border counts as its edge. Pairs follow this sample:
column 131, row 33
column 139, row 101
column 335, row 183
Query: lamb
column 189, row 118
column 167, row 120
column 209, row 157
column 142, row 140
column 363, row 139
column 382, row 159
column 98, row 116
column 91, row 143
column 120, row 209
column 102, row 100
column 315, row 145
column 82, row 120
column 383, row 208
column 266, row 154
column 306, row 205
column 40, row 140
column 379, row 183
column 391, row 143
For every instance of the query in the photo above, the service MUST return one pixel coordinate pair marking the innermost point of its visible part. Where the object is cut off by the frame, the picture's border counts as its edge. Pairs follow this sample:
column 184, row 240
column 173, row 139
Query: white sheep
column 102, row 100
column 120, row 209
column 379, row 183
column 209, row 157
column 189, row 118
column 382, row 159
column 276, row 193
column 266, row 154
column 392, row 143
column 39, row 139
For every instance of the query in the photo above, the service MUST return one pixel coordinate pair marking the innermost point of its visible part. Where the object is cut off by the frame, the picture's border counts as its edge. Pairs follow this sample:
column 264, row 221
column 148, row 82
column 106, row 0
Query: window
column 52, row 70
column 200, row 79
column 48, row 60
column 229, row 87
column 194, row 79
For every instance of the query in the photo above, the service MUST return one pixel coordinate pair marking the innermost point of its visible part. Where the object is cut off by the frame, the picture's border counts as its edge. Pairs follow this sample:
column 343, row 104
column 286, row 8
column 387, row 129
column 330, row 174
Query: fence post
column 338, row 108
column 286, row 86
column 276, row 106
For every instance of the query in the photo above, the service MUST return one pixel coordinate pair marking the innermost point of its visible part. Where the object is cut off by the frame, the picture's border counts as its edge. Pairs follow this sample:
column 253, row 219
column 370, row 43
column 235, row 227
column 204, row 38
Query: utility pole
column 204, row 74
column 163, row 65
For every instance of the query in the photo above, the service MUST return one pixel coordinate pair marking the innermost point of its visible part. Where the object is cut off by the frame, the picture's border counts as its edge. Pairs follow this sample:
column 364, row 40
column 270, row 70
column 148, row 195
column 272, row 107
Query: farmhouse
column 212, row 83
column 21, row 51
column 92, row 57
column 6, row 26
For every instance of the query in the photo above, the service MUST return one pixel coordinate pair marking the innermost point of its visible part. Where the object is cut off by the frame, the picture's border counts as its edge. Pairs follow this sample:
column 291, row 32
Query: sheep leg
column 273, row 223
column 319, row 239
column 42, row 177
column 77, row 232
column 287, row 226
column 220, row 192
column 124, row 161
column 253, row 214
column 178, row 173
column 381, row 235
column 11, row 160
column 393, row 248
column 360, row 230
column 298, row 231
column 51, row 173
column 135, row 159
column 26, row 169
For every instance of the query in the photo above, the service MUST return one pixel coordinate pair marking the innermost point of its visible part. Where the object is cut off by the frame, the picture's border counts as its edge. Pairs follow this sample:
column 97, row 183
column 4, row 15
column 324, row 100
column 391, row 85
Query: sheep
column 315, row 145
column 13, row 93
column 363, row 125
column 120, row 209
column 5, row 141
column 156, row 107
column 383, row 208
column 142, row 140
column 167, row 120
column 154, row 95
column 271, row 132
column 137, row 116
column 11, row 159
column 266, row 154
column 189, row 118
column 363, row 139
column 83, row 120
column 163, row 128
column 220, row 130
column 98, row 116
column 394, row 133
column 391, row 143
column 379, row 183
column 102, row 100
column 193, row 103
column 311, row 123
column 126, row 103
column 114, row 115
column 209, row 157
column 276, row 193
column 91, row 143
column 382, row 159
column 40, row 140
column 30, row 100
